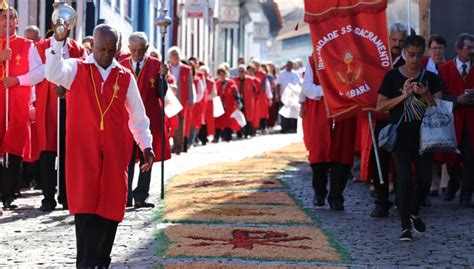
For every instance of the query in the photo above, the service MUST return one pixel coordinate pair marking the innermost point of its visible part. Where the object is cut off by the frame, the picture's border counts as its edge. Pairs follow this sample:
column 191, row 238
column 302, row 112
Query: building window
column 128, row 8
column 109, row 2
column 118, row 3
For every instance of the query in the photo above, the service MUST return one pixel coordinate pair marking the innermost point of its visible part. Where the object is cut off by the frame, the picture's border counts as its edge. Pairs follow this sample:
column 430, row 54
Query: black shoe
column 434, row 193
column 418, row 224
column 47, row 206
column 379, row 212
column 129, row 203
column 406, row 235
column 318, row 201
column 7, row 204
column 143, row 204
column 449, row 196
column 336, row 206
column 426, row 202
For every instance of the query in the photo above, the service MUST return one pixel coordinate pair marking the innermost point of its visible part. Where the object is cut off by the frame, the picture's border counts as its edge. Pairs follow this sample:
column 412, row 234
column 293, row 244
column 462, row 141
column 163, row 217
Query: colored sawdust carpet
column 208, row 265
column 242, row 210
column 271, row 243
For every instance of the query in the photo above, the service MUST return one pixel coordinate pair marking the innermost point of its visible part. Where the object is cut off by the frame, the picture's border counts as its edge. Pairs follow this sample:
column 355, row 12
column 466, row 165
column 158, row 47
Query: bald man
column 102, row 97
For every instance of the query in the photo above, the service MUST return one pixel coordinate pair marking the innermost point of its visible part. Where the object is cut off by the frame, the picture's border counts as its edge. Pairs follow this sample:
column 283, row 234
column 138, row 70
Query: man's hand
column 60, row 91
column 302, row 111
column 10, row 82
column 5, row 55
column 465, row 99
column 164, row 70
column 149, row 159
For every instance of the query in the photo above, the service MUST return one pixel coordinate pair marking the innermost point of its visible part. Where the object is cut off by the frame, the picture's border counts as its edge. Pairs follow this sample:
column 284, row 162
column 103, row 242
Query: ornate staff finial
column 163, row 21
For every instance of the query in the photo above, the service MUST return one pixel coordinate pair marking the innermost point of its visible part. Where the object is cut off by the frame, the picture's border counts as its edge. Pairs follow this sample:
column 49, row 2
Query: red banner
column 351, row 50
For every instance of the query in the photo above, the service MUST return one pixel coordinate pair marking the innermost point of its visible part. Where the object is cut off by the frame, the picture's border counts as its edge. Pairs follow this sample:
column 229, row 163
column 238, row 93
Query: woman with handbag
column 406, row 92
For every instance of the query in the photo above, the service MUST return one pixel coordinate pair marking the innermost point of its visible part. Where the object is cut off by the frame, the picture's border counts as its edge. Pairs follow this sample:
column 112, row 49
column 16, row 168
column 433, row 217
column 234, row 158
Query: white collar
column 431, row 66
column 141, row 63
column 459, row 64
column 90, row 60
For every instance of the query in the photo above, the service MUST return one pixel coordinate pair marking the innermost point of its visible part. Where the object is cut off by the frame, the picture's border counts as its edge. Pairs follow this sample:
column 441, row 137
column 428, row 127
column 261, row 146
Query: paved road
column 29, row 238
column 374, row 243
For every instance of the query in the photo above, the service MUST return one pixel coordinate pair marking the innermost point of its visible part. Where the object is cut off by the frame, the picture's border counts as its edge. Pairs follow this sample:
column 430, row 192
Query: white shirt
column 134, row 65
column 63, row 72
column 175, row 71
column 35, row 69
column 309, row 89
column 286, row 78
column 459, row 65
column 431, row 66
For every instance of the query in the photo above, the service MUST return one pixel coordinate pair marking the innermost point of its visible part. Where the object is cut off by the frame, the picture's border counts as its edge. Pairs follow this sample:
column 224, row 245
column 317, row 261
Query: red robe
column 13, row 140
column 258, row 108
column 463, row 115
column 46, row 100
column 147, row 82
column 173, row 121
column 199, row 108
column 262, row 100
column 227, row 95
column 327, row 144
column 96, row 160
column 209, row 113
column 248, row 95
column 184, row 91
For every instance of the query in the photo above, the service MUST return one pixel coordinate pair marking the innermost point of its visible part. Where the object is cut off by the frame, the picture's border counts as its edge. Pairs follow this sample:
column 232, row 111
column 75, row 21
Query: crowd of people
column 416, row 81
column 247, row 95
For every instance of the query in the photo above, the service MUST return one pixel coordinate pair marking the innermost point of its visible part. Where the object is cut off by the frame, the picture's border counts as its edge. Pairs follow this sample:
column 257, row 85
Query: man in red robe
column 264, row 98
column 255, row 120
column 24, row 64
column 185, row 94
column 330, row 144
column 104, row 104
column 47, row 124
column 247, row 89
column 146, row 71
column 458, row 76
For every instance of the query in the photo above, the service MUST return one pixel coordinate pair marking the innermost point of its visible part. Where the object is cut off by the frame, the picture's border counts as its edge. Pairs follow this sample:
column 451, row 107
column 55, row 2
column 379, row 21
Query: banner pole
column 409, row 17
column 7, row 90
column 376, row 149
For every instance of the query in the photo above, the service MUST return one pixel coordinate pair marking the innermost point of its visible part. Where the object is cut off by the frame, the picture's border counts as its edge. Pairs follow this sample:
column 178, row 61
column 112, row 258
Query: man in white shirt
column 102, row 97
column 283, row 80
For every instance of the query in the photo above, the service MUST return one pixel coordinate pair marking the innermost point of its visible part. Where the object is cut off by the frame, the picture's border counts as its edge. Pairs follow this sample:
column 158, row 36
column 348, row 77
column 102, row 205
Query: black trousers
column 382, row 190
column 463, row 176
column 339, row 175
column 62, row 198
column 202, row 136
column 48, row 175
column 141, row 192
column 10, row 177
column 288, row 125
column 409, row 195
column 95, row 237
column 226, row 134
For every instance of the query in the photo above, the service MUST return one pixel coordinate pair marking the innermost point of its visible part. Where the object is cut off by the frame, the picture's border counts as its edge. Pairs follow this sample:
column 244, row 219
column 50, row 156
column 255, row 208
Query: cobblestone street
column 31, row 239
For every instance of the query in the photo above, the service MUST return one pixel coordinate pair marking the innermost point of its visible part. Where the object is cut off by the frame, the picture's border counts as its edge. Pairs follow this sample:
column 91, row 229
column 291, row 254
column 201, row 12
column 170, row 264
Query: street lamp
column 163, row 22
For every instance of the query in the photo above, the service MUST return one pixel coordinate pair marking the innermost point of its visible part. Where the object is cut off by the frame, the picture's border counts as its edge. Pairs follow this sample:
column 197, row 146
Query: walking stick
column 163, row 22
column 7, row 74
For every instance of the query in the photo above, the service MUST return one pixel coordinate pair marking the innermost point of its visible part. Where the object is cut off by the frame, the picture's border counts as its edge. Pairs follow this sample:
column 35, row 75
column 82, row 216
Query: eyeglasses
column 437, row 48
column 468, row 47
column 414, row 54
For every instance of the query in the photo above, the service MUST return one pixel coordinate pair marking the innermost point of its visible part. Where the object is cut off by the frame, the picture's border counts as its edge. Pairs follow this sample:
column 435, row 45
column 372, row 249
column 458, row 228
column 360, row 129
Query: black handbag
column 388, row 135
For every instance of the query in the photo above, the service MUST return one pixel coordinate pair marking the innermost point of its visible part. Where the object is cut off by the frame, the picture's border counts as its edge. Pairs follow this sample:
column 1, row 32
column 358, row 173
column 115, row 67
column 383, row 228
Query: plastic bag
column 437, row 133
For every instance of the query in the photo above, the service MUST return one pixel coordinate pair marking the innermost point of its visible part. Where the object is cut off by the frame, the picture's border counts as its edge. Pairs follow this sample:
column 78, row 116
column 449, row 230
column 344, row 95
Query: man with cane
column 19, row 65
